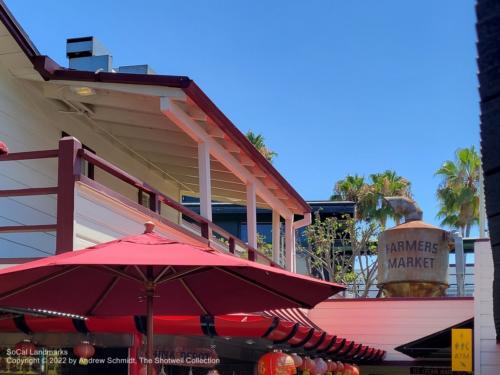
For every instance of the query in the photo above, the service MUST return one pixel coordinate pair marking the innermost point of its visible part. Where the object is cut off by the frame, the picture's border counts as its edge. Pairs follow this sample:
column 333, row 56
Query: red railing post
column 205, row 230
column 232, row 245
column 69, row 167
column 251, row 254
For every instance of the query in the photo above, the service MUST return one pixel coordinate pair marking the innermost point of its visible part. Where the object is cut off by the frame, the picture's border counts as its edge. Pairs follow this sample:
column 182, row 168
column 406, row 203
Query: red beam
column 30, row 155
column 17, row 260
column 29, row 191
column 28, row 228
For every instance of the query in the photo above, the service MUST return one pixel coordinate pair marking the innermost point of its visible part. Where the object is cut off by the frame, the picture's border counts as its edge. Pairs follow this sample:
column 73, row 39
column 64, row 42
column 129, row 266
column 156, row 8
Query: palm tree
column 458, row 192
column 369, row 196
column 258, row 142
column 354, row 188
column 388, row 184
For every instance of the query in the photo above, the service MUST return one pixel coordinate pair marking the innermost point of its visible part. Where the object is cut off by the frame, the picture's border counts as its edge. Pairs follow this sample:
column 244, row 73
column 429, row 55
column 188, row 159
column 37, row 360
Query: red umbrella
column 117, row 277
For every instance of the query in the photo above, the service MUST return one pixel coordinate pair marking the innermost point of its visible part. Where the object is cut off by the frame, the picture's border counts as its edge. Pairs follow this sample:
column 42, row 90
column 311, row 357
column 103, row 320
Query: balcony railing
column 71, row 156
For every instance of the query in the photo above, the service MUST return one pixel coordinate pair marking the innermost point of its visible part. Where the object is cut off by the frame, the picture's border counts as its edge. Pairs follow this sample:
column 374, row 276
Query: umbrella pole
column 150, row 291
column 149, row 352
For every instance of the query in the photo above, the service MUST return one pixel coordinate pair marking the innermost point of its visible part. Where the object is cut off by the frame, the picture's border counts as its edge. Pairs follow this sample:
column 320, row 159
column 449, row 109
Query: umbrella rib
column 103, row 295
column 38, row 282
column 121, row 273
column 263, row 287
column 188, row 289
column 162, row 273
column 139, row 271
column 183, row 274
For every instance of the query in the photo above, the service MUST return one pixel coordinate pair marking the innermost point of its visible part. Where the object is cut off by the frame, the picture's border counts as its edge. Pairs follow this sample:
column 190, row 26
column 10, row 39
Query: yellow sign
column 461, row 349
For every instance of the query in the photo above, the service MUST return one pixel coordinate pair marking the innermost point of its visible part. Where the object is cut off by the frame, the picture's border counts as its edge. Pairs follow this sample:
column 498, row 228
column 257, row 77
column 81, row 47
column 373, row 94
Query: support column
column 252, row 215
column 204, row 180
column 289, row 244
column 276, row 229
column 69, row 168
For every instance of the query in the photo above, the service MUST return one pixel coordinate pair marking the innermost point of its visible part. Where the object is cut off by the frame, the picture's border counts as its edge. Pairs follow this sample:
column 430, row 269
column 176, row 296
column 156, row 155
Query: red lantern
column 340, row 368
column 4, row 150
column 25, row 348
column 307, row 366
column 355, row 370
column 84, row 350
column 348, row 369
column 331, row 367
column 297, row 359
column 320, row 366
column 276, row 363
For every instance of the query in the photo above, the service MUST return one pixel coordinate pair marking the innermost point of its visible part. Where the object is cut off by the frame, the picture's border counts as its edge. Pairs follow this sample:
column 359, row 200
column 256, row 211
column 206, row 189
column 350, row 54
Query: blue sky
column 336, row 87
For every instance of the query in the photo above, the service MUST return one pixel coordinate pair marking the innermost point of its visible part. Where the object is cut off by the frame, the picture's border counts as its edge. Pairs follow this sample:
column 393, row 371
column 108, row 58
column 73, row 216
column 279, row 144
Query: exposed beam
column 148, row 134
column 161, row 148
column 193, row 172
column 130, row 117
column 162, row 158
column 214, row 130
column 227, row 185
column 147, row 90
column 220, row 188
column 258, row 172
column 105, row 98
column 245, row 160
column 230, row 146
column 181, row 119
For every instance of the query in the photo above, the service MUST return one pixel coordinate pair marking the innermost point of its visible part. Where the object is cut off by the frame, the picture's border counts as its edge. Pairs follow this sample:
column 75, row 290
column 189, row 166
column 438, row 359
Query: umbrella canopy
column 137, row 274
column 112, row 279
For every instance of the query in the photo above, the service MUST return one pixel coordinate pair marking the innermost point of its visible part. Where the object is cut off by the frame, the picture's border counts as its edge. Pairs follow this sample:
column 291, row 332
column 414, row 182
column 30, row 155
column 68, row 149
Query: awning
column 387, row 323
column 298, row 335
column 436, row 345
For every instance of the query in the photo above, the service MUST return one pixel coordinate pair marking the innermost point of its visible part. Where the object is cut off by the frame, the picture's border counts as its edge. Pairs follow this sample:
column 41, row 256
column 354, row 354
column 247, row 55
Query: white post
column 276, row 229
column 252, row 215
column 459, row 263
column 289, row 244
column 204, row 180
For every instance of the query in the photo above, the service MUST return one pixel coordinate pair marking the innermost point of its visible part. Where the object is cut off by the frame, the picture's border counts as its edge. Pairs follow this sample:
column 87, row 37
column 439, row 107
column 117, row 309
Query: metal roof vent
column 88, row 54
column 136, row 69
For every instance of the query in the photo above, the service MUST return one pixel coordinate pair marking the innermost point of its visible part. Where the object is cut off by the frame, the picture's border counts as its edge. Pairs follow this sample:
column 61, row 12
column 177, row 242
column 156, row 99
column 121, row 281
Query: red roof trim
column 17, row 32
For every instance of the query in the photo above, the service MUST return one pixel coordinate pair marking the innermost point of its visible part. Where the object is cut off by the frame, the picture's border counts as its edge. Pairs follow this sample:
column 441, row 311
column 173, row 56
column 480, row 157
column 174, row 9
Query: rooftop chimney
column 88, row 54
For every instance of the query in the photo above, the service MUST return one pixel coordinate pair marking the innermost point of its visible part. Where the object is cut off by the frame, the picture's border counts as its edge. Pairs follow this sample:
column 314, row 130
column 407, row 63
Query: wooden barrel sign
column 413, row 260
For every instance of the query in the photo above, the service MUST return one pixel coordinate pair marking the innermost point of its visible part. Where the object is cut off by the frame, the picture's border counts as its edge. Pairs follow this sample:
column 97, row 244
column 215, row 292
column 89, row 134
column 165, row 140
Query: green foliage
column 368, row 195
column 263, row 246
column 458, row 192
column 258, row 142
column 342, row 250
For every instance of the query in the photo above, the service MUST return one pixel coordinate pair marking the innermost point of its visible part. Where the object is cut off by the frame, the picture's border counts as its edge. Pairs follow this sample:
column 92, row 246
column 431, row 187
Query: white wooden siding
column 487, row 352
column 29, row 122
column 99, row 218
